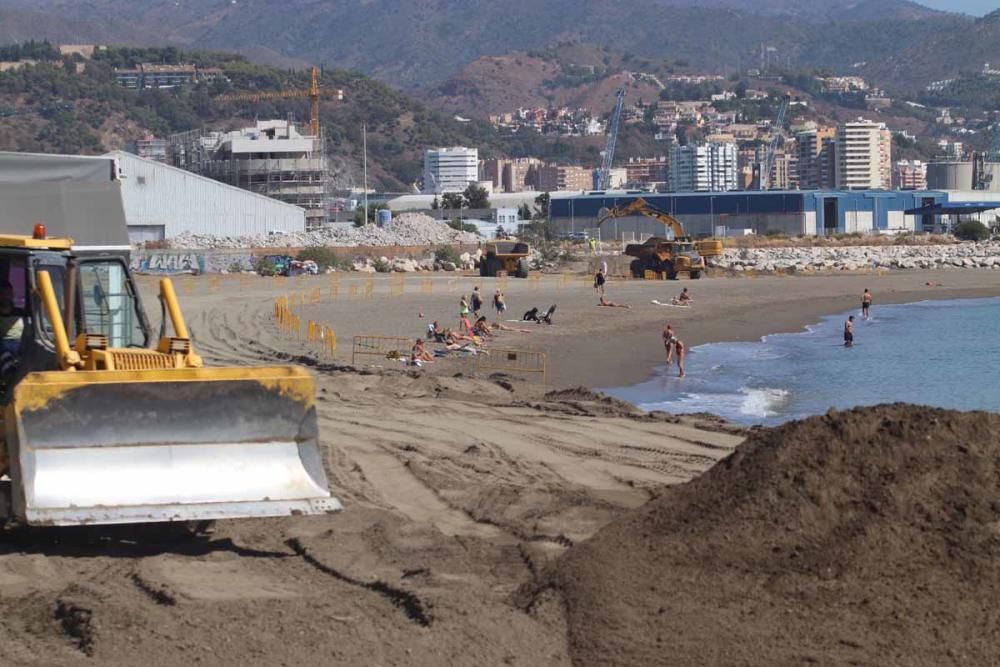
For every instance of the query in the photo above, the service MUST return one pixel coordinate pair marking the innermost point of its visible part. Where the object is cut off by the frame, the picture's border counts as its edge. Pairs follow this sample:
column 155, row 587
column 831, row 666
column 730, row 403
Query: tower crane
column 604, row 175
column 314, row 93
column 772, row 148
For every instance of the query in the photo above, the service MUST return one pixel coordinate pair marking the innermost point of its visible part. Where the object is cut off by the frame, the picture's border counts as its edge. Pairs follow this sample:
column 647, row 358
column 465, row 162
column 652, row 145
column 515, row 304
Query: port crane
column 777, row 134
column 604, row 174
column 314, row 93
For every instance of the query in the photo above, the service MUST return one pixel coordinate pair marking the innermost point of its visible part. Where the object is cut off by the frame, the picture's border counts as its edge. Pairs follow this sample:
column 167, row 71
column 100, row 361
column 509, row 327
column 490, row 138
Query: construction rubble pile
column 853, row 258
column 407, row 229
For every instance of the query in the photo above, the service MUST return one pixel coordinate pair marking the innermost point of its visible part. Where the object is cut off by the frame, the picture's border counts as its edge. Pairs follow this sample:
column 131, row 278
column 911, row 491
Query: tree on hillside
column 475, row 196
column 524, row 212
column 435, row 204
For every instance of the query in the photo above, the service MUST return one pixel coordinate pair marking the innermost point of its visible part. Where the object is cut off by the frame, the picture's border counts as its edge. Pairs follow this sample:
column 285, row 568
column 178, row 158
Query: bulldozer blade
column 103, row 447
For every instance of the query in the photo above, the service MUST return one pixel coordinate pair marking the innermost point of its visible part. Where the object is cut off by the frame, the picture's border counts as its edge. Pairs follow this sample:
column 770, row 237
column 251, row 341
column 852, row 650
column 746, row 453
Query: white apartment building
column 450, row 169
column 705, row 167
column 863, row 156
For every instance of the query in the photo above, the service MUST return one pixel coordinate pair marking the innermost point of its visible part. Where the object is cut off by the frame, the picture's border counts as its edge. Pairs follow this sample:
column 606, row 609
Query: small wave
column 763, row 402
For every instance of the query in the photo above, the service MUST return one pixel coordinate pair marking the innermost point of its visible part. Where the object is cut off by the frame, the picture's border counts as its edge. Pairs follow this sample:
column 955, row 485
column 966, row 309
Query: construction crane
column 604, row 175
column 777, row 134
column 314, row 94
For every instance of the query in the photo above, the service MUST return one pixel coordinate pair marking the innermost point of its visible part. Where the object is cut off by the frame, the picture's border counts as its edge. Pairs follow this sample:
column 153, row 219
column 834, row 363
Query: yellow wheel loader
column 104, row 423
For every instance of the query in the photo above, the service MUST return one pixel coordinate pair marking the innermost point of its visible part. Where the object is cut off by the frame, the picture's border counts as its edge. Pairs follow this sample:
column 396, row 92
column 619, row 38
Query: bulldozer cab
column 95, row 294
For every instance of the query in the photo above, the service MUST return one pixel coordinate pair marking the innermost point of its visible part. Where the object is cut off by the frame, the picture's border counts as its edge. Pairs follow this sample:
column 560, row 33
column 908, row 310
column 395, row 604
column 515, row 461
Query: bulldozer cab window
column 108, row 303
column 685, row 247
column 57, row 273
column 13, row 271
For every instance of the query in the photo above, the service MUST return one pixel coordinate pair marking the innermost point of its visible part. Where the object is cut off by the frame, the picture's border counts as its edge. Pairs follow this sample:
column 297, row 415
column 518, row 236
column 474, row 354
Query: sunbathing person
column 420, row 353
column 611, row 304
column 482, row 328
column 452, row 338
column 682, row 299
column 500, row 326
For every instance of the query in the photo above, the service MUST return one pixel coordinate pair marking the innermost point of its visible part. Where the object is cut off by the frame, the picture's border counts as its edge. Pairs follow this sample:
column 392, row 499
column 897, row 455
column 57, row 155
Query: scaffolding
column 271, row 159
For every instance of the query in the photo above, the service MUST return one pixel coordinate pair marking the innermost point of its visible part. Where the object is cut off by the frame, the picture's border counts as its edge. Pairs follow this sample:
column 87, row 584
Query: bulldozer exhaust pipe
column 169, row 297
column 68, row 358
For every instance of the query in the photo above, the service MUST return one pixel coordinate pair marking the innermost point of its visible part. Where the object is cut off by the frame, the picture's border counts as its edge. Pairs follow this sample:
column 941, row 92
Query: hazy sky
column 977, row 7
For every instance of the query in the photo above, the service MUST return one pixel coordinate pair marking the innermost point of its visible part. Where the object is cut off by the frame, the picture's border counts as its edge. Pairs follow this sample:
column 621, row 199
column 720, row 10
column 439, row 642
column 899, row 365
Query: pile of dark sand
column 864, row 537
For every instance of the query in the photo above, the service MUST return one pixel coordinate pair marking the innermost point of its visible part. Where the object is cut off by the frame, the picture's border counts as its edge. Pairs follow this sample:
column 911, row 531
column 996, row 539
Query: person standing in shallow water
column 866, row 304
column 849, row 332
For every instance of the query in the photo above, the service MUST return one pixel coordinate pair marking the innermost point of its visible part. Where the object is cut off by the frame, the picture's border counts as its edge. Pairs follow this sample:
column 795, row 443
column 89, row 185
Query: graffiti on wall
column 190, row 261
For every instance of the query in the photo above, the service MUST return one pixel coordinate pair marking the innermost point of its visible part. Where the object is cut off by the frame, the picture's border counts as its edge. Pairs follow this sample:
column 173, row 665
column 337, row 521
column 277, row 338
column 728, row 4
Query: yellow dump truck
column 508, row 256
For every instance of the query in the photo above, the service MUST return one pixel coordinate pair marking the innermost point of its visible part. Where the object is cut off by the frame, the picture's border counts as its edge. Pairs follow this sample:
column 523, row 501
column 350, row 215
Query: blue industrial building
column 792, row 212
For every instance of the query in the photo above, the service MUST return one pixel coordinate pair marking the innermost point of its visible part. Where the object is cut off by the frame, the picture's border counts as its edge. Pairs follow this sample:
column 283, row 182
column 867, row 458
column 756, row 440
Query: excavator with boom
column 661, row 256
column 105, row 422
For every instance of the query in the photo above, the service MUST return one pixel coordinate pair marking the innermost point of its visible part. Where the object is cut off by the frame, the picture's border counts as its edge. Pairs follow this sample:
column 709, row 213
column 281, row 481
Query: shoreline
column 741, row 322
column 804, row 329
column 784, row 377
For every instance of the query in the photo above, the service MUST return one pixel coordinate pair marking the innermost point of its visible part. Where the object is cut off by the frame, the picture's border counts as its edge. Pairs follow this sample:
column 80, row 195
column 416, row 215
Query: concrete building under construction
column 272, row 158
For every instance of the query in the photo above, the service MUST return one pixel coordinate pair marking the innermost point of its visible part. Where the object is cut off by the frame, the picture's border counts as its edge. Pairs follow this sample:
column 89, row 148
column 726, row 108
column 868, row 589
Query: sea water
column 940, row 353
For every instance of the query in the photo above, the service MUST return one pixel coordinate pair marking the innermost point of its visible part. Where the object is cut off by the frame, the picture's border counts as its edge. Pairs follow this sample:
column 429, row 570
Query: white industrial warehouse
column 163, row 201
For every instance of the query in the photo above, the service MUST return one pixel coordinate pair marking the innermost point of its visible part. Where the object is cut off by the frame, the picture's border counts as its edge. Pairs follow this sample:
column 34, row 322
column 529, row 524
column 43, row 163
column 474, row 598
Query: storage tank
column 383, row 217
column 949, row 175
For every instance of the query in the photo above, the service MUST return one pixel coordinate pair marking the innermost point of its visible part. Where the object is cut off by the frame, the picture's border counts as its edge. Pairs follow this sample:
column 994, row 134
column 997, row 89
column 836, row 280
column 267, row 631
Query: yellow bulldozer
column 105, row 423
column 662, row 256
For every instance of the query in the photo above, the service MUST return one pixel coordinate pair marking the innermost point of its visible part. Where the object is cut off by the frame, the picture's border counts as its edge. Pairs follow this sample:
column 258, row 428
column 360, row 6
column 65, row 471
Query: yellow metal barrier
column 512, row 361
column 353, row 290
column 427, row 285
column 397, row 286
column 370, row 288
column 330, row 341
column 386, row 347
column 315, row 296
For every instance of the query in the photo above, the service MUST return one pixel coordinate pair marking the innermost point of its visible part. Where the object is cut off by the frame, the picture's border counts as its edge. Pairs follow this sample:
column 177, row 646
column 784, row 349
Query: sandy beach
column 589, row 345
column 461, row 492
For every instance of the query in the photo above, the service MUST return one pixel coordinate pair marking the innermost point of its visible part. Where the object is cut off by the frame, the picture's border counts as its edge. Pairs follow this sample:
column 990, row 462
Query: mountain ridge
column 423, row 43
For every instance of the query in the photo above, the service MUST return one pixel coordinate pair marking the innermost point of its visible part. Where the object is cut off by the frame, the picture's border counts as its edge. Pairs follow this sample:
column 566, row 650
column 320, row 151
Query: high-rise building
column 509, row 174
column 647, row 170
column 909, row 175
column 864, row 153
column 816, row 166
column 704, row 167
column 556, row 177
column 450, row 169
column 785, row 169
